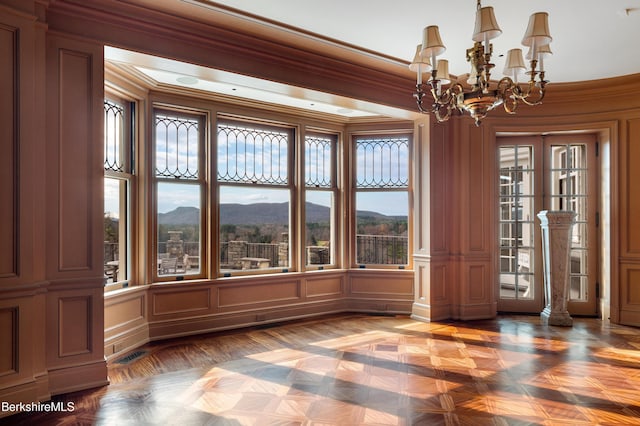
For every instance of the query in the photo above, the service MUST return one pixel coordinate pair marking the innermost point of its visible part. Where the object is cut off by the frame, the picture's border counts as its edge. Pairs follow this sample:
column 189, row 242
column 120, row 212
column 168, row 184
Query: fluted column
column 556, row 248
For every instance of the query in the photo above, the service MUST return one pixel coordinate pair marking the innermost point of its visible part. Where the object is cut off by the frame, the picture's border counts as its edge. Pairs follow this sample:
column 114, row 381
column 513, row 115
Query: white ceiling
column 592, row 39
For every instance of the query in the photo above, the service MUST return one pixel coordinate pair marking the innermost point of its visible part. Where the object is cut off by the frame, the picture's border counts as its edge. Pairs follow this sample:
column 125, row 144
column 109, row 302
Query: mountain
column 256, row 214
column 180, row 216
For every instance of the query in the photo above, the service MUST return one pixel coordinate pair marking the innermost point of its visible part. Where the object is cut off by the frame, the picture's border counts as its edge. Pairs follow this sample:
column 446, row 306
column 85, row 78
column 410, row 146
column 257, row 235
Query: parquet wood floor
column 374, row 370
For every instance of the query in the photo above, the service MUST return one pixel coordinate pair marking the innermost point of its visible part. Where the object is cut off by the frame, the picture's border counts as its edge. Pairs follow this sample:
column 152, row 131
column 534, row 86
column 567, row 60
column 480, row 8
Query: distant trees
column 190, row 233
column 386, row 226
column 110, row 228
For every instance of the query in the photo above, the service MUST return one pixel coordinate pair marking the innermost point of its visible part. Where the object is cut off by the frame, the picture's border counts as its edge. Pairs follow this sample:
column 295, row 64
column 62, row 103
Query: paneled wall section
column 630, row 224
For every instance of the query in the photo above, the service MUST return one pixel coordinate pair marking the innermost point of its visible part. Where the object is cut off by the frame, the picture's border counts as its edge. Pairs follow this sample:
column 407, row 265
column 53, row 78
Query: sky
column 174, row 196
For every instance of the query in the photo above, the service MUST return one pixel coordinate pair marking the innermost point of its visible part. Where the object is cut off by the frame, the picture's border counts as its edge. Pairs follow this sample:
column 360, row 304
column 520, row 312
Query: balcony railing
column 370, row 249
column 381, row 249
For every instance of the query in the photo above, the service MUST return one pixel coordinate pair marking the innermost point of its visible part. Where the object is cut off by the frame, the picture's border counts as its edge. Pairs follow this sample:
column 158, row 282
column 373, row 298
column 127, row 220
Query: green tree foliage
column 110, row 228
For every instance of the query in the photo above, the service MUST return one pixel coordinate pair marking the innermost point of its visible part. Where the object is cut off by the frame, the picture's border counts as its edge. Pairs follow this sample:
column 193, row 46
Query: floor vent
column 131, row 357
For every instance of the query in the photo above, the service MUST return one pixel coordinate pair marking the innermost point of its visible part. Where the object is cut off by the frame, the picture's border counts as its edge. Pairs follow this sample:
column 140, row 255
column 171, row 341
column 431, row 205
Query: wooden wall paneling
column 432, row 300
column 629, row 261
column 630, row 294
column 20, row 378
column 251, row 294
column 323, row 286
column 181, row 301
column 209, row 39
column 381, row 291
column 23, row 371
column 75, row 338
column 74, row 323
column 437, row 161
column 477, row 189
column 9, row 160
column 631, row 178
column 9, row 348
column 477, row 298
column 74, row 220
column 125, row 320
column 75, row 93
column 473, row 296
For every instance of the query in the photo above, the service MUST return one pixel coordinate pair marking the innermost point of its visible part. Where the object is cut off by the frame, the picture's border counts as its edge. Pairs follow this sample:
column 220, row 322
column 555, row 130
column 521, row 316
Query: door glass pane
column 569, row 192
column 516, row 223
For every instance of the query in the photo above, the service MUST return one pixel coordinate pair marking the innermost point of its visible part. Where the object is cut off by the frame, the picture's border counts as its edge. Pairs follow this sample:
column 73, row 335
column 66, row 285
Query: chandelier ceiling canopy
column 480, row 94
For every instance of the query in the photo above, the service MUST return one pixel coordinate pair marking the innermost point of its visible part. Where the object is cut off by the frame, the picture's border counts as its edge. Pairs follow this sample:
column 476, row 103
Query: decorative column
column 175, row 245
column 556, row 251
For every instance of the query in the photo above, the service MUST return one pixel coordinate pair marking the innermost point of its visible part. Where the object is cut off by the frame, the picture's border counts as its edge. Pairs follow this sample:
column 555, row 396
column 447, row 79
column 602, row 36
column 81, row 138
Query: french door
column 545, row 173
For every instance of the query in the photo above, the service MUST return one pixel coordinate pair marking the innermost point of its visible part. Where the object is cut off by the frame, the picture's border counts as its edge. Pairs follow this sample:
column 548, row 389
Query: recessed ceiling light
column 187, row 80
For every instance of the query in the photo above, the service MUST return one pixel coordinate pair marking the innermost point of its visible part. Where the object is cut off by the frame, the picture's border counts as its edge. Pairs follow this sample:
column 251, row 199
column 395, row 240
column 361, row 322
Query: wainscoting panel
column 9, row 159
column 476, row 295
column 181, row 300
column 9, row 347
column 245, row 295
column 74, row 167
column 630, row 294
column 381, row 291
column 381, row 283
column 322, row 287
column 74, row 316
column 123, row 311
column 125, row 319
column 75, row 335
column 75, row 174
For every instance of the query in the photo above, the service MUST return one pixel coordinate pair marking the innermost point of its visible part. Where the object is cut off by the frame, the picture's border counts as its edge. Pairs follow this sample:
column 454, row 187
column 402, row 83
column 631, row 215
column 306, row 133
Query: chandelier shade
column 514, row 64
column 537, row 33
column 419, row 65
column 478, row 94
column 486, row 25
column 541, row 53
column 431, row 42
column 443, row 71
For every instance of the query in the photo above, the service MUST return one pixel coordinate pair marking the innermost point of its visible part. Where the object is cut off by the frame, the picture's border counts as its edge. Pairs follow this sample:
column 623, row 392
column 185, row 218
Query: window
column 179, row 190
column 517, row 222
column 382, row 200
column 118, row 182
column 320, row 196
column 255, row 193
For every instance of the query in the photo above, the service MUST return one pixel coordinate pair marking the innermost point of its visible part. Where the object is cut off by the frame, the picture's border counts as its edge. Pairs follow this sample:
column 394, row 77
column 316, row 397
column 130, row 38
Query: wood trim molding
column 259, row 50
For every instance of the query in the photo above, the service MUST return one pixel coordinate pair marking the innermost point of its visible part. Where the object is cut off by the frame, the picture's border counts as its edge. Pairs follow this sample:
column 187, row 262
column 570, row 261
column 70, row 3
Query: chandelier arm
column 510, row 93
column 440, row 103
column 439, row 117
column 419, row 95
column 541, row 92
column 449, row 99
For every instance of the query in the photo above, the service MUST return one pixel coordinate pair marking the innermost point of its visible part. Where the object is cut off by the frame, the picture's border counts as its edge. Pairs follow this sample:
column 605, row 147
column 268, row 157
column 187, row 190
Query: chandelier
column 483, row 94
